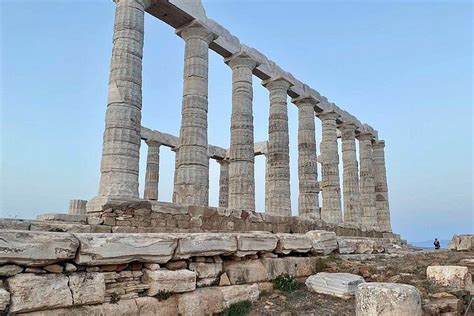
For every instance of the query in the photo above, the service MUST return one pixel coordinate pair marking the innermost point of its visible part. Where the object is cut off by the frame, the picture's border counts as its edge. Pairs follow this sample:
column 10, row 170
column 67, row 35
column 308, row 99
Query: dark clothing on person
column 437, row 244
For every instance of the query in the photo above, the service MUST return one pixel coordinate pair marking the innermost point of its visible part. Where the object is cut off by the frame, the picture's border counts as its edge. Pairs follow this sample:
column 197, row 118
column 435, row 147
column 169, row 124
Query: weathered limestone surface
column 223, row 183
column 359, row 246
column 367, row 184
column 206, row 269
column 192, row 177
column 87, row 288
column 381, row 189
column 202, row 301
column 77, row 207
column 331, row 211
column 56, row 226
column 350, row 184
column 152, row 174
column 239, row 293
column 36, row 248
column 308, row 185
column 205, row 245
column 121, row 146
column 57, row 217
column 97, row 249
column 10, row 270
column 178, row 281
column 257, row 242
column 323, row 242
column 462, row 243
column 245, row 271
column 241, row 151
column 337, row 284
column 4, row 299
column 277, row 184
column 387, row 299
column 450, row 276
column 30, row 292
column 293, row 242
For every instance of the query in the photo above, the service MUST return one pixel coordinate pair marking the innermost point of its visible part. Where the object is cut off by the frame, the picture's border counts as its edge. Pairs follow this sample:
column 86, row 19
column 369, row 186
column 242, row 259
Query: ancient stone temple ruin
column 123, row 254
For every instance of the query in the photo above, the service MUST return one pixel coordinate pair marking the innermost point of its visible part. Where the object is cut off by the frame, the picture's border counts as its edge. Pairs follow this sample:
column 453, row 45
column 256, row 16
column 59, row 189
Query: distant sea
column 428, row 243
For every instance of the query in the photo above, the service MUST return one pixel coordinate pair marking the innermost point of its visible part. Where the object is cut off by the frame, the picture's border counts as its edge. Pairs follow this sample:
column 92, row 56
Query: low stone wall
column 462, row 243
column 56, row 273
column 155, row 217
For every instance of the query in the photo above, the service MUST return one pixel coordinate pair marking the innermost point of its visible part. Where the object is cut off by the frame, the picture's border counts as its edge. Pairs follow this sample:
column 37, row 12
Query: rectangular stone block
column 87, row 288
column 323, row 242
column 58, row 217
column 177, row 281
column 205, row 269
column 36, row 248
column 205, row 244
column 30, row 292
column 337, row 284
column 203, row 301
column 288, row 243
column 103, row 249
column 245, row 271
column 239, row 293
column 255, row 242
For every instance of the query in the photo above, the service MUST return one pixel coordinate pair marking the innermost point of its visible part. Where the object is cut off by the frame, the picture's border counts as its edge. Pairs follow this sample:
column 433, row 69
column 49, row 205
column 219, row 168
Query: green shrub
column 238, row 309
column 163, row 295
column 285, row 283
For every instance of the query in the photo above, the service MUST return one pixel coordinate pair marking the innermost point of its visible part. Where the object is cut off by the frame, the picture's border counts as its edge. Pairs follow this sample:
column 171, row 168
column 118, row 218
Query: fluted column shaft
column 278, row 198
column 152, row 174
column 367, row 184
column 121, row 142
column 224, row 183
column 192, row 176
column 350, row 182
column 308, row 201
column 241, row 152
column 381, row 188
column 331, row 210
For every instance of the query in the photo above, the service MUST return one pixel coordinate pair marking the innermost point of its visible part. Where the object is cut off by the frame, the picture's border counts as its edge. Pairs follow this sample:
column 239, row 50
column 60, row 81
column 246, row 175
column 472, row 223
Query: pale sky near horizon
column 404, row 67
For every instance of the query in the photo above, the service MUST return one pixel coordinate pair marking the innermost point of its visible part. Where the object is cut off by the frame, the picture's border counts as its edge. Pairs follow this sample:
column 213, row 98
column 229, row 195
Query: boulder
column 288, row 243
column 32, row 249
column 323, row 242
column 178, row 281
column 245, row 271
column 4, row 300
column 103, row 249
column 203, row 301
column 10, row 270
column 336, row 284
column 387, row 299
column 205, row 244
column 206, row 270
column 450, row 276
column 238, row 293
column 87, row 288
column 462, row 243
column 30, row 292
column 255, row 242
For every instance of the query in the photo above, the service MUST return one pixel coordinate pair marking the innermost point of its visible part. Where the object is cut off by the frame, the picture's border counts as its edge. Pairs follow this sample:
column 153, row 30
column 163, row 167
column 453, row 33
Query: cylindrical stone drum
column 383, row 299
column 77, row 207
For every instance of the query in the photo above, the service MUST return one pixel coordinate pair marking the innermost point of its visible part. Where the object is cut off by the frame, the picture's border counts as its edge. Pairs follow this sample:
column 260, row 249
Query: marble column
column 224, row 183
column 121, row 142
column 308, row 198
column 278, row 198
column 241, row 153
column 77, row 207
column 331, row 211
column 381, row 189
column 367, row 185
column 192, row 176
column 350, row 182
column 152, row 174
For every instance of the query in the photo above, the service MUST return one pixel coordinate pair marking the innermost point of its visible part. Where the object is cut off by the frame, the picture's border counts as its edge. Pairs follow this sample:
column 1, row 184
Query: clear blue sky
column 404, row 67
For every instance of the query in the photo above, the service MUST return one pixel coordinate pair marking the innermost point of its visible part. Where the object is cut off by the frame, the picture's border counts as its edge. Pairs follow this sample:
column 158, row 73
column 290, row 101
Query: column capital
column 330, row 114
column 305, row 99
column 350, row 126
column 152, row 143
column 279, row 82
column 195, row 29
column 365, row 136
column 241, row 59
column 378, row 144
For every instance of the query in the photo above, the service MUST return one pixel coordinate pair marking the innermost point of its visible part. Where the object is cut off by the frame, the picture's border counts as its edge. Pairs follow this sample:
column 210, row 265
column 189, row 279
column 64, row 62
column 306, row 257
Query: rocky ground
column 407, row 269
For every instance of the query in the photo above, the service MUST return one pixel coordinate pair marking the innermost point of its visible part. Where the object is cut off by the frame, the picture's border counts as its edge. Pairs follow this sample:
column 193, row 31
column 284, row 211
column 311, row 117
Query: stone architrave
column 278, row 196
column 121, row 144
column 350, row 184
column 308, row 199
column 367, row 184
column 381, row 189
column 192, row 174
column 331, row 211
column 223, row 183
column 241, row 152
column 152, row 174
